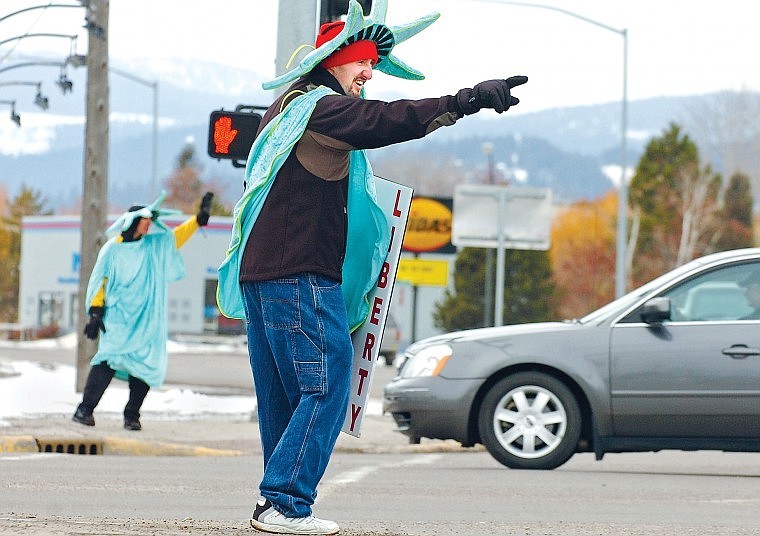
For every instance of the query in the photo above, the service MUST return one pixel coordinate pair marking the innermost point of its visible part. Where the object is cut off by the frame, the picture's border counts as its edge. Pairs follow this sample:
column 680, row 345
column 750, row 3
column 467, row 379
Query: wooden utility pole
column 95, row 178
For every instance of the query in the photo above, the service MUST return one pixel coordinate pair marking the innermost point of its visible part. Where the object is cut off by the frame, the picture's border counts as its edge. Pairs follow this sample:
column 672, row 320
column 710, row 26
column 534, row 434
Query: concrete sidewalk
column 212, row 434
column 187, row 437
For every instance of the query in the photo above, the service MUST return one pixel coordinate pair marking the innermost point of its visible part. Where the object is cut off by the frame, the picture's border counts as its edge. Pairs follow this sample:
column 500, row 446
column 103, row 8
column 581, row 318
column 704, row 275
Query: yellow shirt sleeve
column 185, row 230
column 99, row 300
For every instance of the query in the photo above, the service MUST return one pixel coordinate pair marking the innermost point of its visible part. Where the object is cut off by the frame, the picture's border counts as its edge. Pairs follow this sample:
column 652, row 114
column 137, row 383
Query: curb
column 134, row 447
column 18, row 444
column 106, row 445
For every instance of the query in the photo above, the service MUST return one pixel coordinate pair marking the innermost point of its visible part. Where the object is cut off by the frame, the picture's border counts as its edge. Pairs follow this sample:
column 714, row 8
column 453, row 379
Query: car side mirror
column 655, row 310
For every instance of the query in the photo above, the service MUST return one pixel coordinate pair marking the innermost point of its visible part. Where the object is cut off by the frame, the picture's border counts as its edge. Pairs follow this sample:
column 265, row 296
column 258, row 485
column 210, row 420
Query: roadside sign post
column 501, row 217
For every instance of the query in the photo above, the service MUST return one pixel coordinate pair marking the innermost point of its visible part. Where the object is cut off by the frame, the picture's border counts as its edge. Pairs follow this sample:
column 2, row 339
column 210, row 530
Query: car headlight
column 427, row 362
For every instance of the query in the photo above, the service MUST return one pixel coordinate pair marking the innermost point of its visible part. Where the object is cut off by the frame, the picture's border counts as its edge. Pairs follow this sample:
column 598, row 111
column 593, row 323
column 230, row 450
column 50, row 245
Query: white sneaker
column 267, row 519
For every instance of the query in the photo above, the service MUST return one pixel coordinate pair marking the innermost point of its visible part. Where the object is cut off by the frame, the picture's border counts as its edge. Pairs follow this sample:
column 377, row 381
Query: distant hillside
column 566, row 149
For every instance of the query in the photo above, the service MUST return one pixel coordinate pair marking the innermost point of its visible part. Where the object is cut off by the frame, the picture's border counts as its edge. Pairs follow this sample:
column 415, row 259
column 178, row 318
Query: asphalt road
column 423, row 494
column 395, row 490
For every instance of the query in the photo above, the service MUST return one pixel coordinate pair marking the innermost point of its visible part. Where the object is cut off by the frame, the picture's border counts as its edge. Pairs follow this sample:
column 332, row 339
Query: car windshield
column 632, row 297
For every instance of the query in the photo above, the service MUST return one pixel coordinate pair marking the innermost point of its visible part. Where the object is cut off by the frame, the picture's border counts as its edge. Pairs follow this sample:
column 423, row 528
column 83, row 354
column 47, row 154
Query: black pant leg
column 138, row 390
column 98, row 379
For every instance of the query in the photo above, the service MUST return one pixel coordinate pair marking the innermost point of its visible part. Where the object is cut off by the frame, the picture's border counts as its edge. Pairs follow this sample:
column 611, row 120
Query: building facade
column 50, row 272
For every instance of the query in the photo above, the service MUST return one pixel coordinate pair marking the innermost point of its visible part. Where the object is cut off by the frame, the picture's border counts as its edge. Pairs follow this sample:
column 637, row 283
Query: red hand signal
column 223, row 134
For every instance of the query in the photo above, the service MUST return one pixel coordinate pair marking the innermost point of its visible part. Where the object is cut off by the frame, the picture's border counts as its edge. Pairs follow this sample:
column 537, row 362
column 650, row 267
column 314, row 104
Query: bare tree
column 699, row 206
column 726, row 128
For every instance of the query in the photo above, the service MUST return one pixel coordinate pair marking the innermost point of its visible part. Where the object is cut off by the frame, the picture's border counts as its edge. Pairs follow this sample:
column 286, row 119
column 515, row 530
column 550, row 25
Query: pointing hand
column 493, row 94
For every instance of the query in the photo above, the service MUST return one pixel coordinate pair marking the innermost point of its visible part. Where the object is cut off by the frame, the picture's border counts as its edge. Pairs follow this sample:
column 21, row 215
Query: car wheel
column 530, row 421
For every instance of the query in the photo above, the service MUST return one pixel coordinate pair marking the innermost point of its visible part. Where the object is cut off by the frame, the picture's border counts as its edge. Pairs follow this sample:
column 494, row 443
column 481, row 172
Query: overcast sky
column 674, row 47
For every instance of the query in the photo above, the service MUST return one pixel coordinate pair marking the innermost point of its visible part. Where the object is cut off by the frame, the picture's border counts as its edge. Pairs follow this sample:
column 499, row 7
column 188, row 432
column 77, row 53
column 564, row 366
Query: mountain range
column 575, row 150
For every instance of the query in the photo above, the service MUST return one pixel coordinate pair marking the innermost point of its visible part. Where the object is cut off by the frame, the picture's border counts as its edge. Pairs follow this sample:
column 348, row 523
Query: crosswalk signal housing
column 231, row 134
column 335, row 9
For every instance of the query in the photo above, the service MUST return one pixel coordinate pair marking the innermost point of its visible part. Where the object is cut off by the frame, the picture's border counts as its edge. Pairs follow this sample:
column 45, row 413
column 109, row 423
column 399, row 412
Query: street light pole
column 489, row 313
column 622, row 254
column 621, row 258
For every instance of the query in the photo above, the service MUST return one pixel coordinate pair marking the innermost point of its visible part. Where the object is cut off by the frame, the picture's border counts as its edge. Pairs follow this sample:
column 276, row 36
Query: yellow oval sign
column 429, row 226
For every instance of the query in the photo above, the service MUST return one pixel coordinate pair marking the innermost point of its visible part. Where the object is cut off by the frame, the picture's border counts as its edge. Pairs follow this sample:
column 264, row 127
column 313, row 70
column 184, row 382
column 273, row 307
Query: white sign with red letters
column 395, row 199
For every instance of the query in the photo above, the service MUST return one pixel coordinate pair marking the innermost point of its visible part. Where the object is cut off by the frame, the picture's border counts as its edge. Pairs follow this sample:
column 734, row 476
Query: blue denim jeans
column 301, row 355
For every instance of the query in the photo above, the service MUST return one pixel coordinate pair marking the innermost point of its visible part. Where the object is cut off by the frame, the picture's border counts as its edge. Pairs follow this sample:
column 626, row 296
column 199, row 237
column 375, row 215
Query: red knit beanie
column 359, row 50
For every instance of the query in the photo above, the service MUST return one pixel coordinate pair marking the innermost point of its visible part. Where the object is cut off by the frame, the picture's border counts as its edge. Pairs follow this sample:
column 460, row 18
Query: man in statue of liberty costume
column 309, row 241
column 126, row 297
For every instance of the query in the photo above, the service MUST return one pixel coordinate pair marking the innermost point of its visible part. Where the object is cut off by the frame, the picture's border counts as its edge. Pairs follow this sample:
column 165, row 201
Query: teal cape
column 368, row 235
column 137, row 274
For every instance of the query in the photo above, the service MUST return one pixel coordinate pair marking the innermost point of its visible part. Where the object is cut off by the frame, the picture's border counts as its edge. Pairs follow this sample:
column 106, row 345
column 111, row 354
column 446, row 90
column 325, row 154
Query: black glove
column 490, row 94
column 95, row 323
column 205, row 210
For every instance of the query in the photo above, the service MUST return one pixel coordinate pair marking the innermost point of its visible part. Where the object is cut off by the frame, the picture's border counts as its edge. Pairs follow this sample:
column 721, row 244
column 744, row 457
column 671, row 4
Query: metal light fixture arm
column 31, row 63
column 29, row 35
column 63, row 81
column 17, row 83
column 44, row 6
column 39, row 99
column 16, row 118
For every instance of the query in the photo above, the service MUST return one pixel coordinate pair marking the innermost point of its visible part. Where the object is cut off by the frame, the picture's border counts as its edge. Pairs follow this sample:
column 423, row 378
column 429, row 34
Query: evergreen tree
column 527, row 290
column 463, row 308
column 675, row 205
column 736, row 216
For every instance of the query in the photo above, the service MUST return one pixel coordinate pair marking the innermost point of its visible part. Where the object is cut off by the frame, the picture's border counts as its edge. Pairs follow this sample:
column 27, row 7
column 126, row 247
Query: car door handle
column 740, row 351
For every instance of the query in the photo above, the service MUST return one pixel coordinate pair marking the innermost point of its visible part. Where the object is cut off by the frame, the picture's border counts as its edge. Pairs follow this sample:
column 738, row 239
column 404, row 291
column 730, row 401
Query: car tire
column 530, row 420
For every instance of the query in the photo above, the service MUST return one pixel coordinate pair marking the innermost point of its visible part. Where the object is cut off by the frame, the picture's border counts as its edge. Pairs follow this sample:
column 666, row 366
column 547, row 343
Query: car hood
column 478, row 353
column 473, row 335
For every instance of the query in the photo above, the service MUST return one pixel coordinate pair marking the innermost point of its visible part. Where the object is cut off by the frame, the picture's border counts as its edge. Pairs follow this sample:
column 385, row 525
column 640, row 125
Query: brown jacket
column 302, row 224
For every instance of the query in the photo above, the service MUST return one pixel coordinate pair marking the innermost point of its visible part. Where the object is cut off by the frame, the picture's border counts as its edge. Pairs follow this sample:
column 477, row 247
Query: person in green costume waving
column 309, row 240
column 126, row 297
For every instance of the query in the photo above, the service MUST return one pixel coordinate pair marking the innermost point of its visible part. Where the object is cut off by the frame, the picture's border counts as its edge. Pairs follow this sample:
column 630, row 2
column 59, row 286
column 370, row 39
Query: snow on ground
column 29, row 389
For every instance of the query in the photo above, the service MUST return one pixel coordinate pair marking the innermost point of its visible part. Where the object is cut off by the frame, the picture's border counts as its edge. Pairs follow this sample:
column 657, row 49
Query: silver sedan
column 674, row 364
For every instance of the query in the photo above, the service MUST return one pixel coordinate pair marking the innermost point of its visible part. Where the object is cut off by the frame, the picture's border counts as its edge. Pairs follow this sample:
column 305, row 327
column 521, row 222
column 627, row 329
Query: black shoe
column 132, row 424
column 83, row 416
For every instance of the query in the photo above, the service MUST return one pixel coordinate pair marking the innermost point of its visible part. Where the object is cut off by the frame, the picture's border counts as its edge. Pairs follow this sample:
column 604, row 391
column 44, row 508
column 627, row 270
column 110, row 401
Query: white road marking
column 353, row 476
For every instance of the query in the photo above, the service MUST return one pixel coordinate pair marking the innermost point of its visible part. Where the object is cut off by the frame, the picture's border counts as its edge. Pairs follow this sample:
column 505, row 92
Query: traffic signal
column 333, row 9
column 231, row 134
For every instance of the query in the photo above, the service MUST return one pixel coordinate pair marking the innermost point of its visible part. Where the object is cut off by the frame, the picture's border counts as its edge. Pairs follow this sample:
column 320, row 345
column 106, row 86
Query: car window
column 720, row 294
column 632, row 297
